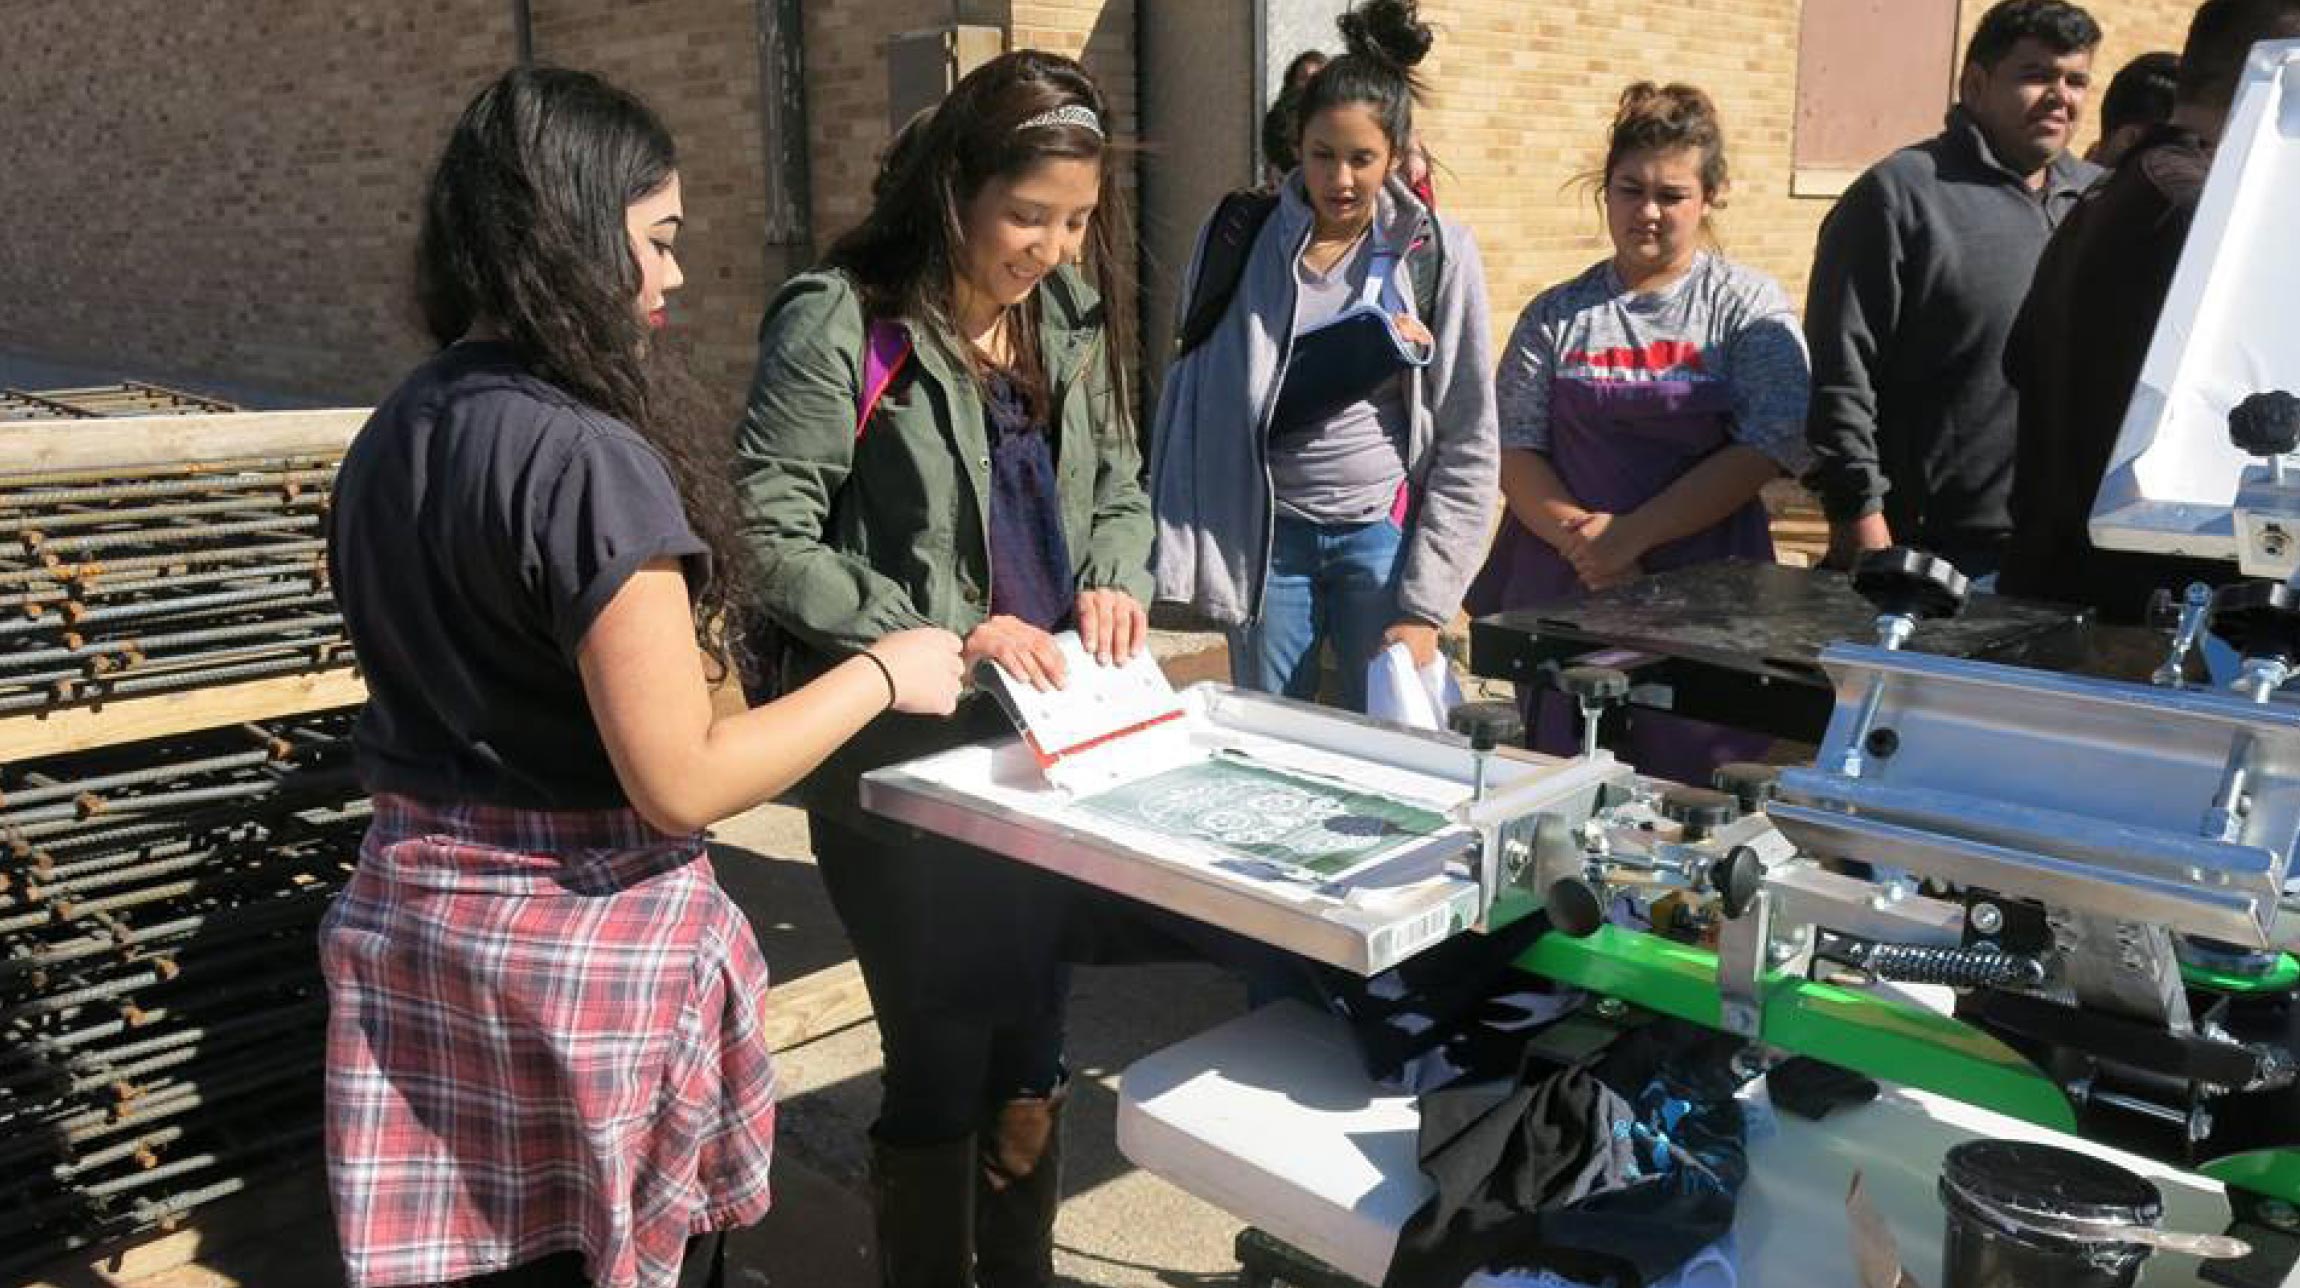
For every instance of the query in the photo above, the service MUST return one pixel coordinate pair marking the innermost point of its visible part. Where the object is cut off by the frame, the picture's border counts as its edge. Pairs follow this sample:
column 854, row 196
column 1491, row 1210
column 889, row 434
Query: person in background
column 1302, row 70
column 945, row 400
column 545, row 1057
column 2139, row 98
column 1919, row 270
column 1643, row 406
column 1306, row 495
column 1282, row 123
column 2076, row 351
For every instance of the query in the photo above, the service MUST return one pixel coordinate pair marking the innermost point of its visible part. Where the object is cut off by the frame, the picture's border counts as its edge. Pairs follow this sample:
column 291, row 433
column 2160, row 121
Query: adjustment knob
column 1910, row 583
column 1574, row 906
column 1737, row 878
column 1749, row 783
column 2265, row 424
column 1594, row 683
column 2258, row 619
column 1698, row 810
column 1488, row 724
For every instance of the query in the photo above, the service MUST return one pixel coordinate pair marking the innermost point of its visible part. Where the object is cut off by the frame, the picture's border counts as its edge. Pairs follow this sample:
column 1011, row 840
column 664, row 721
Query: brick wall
column 1524, row 94
column 1098, row 33
column 228, row 187
column 696, row 62
column 847, row 99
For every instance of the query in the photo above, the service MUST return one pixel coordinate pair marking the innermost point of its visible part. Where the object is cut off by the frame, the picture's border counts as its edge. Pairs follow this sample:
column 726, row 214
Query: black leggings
column 704, row 1266
column 958, row 951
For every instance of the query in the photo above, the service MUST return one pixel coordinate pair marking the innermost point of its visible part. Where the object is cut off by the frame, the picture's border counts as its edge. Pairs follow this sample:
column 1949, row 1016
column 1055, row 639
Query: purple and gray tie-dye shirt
column 1720, row 322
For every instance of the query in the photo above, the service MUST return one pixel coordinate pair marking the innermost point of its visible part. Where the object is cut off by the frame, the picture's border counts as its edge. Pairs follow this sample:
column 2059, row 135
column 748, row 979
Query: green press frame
column 1889, row 1040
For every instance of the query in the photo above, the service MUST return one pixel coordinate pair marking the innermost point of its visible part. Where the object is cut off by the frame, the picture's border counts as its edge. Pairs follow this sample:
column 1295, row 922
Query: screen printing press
column 2037, row 904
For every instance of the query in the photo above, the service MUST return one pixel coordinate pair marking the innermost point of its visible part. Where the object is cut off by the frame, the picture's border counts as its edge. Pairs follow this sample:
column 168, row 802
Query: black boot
column 924, row 1196
column 1020, row 1187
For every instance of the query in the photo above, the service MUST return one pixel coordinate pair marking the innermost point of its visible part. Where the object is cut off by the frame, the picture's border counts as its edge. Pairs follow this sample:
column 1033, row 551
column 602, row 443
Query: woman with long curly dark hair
column 948, row 399
column 544, row 1058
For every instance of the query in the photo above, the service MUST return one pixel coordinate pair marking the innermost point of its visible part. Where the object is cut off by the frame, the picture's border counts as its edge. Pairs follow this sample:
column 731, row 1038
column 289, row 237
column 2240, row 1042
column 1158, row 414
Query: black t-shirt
column 480, row 522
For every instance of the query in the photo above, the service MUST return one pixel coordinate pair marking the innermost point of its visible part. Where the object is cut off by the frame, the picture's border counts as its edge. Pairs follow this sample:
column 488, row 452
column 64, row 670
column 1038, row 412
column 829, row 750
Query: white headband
column 1073, row 114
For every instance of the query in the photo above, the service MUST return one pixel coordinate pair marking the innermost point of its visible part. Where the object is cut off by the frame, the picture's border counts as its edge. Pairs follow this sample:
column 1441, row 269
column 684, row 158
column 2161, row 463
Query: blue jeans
column 1327, row 583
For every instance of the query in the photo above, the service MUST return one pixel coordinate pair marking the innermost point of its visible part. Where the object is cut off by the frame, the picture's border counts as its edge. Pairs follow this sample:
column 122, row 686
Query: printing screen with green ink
column 1322, row 829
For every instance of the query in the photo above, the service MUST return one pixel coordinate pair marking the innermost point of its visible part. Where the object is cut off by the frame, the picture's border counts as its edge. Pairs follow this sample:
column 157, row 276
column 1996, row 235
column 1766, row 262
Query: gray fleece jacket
column 1210, row 486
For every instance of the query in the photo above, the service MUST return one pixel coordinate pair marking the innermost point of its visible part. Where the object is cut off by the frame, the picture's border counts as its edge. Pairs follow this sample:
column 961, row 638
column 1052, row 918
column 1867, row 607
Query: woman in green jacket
column 939, row 433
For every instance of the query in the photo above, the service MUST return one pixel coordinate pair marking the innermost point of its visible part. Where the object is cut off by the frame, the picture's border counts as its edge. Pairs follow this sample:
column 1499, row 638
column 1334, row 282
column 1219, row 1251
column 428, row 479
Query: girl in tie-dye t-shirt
column 1645, row 403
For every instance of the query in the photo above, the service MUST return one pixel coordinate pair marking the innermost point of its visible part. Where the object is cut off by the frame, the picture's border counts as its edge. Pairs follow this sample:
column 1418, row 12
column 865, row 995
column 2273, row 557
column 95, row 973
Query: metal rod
column 46, row 820
column 248, row 479
column 180, row 469
column 175, row 639
column 131, row 778
column 111, row 1154
column 235, row 922
column 301, row 592
column 306, row 569
column 89, row 573
column 207, row 532
column 279, row 500
column 222, row 674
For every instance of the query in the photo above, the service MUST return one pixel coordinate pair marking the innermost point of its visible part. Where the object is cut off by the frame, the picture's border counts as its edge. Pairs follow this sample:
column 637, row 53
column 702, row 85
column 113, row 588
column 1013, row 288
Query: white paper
column 1417, row 698
column 1095, row 702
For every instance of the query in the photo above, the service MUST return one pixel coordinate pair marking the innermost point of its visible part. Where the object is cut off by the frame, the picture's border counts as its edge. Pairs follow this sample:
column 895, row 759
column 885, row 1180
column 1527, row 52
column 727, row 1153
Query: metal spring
column 1954, row 967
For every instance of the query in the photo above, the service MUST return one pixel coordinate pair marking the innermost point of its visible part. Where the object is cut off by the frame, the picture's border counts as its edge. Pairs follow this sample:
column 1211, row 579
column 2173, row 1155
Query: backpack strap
column 1237, row 221
column 1425, row 260
column 886, row 347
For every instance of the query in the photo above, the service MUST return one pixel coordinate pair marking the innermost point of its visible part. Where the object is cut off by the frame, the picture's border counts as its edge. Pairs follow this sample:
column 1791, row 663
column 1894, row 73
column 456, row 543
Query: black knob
column 2265, row 424
column 1488, row 724
column 2258, row 619
column 1594, row 683
column 1574, row 906
column 1698, row 810
column 1749, row 783
column 1910, row 583
column 1737, row 878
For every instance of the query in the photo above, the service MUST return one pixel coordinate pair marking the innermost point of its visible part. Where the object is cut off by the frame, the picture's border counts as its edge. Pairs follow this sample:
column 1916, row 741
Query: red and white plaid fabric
column 544, row 1033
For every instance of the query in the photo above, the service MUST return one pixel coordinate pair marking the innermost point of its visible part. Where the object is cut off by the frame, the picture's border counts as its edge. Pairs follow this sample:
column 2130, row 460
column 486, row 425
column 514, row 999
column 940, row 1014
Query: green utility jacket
column 859, row 535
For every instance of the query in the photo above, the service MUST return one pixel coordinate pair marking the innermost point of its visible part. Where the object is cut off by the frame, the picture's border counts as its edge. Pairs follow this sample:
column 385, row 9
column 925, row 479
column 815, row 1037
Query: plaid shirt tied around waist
column 544, row 1034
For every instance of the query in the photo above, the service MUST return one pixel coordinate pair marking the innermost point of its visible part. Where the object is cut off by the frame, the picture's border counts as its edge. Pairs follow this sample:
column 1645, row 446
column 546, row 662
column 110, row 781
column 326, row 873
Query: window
column 1872, row 76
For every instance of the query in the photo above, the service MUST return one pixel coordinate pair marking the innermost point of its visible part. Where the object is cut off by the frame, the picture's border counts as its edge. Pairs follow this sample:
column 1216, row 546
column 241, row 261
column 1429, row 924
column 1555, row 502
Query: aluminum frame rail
column 161, row 1010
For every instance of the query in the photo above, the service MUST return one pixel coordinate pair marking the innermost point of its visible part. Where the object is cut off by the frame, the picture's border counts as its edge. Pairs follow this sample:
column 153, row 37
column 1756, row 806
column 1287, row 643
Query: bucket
column 2017, row 1214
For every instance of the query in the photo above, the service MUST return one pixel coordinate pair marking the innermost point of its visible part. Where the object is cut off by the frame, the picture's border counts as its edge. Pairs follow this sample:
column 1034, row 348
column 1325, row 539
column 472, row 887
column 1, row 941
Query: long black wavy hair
column 524, row 231
column 905, row 254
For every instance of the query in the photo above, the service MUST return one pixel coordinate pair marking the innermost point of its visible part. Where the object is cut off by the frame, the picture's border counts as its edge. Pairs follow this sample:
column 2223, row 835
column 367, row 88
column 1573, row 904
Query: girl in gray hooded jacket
column 1323, row 464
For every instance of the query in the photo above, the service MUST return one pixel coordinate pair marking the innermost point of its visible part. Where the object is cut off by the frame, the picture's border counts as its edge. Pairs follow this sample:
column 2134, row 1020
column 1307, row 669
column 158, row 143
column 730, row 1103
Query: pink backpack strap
column 886, row 347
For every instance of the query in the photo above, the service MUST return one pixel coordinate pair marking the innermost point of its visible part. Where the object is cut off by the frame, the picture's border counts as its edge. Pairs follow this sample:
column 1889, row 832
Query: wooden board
column 118, row 720
column 816, row 1006
column 137, row 442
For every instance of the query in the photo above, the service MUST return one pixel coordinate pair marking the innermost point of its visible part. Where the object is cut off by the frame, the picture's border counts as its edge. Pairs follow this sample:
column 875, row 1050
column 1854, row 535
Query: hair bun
column 1389, row 30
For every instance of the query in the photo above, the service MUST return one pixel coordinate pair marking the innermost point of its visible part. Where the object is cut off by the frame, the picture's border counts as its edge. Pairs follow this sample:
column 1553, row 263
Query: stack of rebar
column 115, row 584
column 161, row 1013
column 127, row 398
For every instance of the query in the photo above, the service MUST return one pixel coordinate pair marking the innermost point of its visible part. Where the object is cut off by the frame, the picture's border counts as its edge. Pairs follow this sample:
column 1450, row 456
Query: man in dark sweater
column 2077, row 349
column 1919, row 271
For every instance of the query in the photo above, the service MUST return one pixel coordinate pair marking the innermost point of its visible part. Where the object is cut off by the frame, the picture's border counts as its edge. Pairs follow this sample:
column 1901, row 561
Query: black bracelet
column 884, row 674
